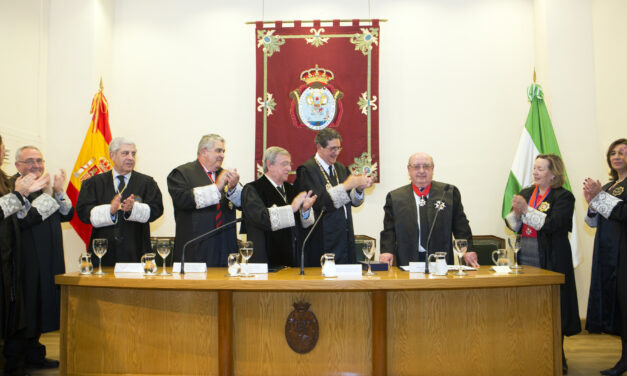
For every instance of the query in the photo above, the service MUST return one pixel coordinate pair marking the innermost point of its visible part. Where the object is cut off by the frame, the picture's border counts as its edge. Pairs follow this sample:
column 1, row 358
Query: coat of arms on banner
column 314, row 75
column 317, row 104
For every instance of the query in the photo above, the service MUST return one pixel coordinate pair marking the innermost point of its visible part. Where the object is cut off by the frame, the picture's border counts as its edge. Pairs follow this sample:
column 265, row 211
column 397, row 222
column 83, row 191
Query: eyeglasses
column 334, row 149
column 31, row 161
column 418, row 166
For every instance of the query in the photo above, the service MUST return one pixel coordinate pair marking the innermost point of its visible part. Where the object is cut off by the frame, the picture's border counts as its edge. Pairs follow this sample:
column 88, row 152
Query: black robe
column 127, row 240
column 277, row 248
column 555, row 252
column 334, row 234
column 42, row 249
column 608, row 281
column 192, row 222
column 400, row 223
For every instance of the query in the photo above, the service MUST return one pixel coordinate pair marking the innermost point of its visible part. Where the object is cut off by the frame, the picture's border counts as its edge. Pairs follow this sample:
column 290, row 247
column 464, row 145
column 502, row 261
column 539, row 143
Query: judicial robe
column 192, row 221
column 334, row 233
column 42, row 248
column 608, row 282
column 279, row 247
column 555, row 252
column 127, row 240
column 400, row 223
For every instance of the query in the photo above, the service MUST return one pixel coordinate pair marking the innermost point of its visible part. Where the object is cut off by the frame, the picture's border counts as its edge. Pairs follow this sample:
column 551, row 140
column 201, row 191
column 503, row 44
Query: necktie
column 218, row 206
column 332, row 176
column 282, row 192
column 121, row 184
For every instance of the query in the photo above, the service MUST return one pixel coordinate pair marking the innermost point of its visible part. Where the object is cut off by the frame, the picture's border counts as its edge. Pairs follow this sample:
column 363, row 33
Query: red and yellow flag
column 93, row 157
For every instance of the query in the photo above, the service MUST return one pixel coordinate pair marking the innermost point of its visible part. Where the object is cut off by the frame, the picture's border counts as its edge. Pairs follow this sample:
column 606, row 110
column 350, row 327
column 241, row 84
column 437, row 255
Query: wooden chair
column 484, row 245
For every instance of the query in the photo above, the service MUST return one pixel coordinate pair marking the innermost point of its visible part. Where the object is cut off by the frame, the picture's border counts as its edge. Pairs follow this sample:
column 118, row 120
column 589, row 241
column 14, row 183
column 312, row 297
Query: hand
column 23, row 183
column 115, row 204
column 470, row 258
column 222, row 180
column 42, row 182
column 387, row 258
column 59, row 182
column 233, row 178
column 357, row 181
column 48, row 187
column 297, row 202
column 519, row 204
column 369, row 181
column 591, row 188
column 127, row 205
column 309, row 201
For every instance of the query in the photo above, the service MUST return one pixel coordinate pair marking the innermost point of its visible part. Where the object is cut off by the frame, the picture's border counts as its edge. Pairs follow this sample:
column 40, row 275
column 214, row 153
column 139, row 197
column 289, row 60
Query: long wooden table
column 393, row 323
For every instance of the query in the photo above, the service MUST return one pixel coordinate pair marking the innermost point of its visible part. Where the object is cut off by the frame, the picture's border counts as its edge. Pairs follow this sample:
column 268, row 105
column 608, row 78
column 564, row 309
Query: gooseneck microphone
column 203, row 236
column 438, row 209
column 302, row 250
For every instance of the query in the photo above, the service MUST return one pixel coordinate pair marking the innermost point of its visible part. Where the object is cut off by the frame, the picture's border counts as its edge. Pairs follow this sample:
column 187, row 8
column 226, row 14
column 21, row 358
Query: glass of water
column 163, row 249
column 100, row 248
column 246, row 250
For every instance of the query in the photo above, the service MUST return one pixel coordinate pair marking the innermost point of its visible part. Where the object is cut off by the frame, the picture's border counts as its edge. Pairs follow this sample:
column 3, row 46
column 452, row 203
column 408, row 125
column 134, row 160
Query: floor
column 587, row 354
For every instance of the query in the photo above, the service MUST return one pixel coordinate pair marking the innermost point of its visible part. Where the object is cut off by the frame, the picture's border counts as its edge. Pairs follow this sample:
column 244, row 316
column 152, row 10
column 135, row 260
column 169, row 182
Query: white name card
column 190, row 267
column 418, row 267
column 257, row 268
column 345, row 270
column 128, row 267
column 504, row 269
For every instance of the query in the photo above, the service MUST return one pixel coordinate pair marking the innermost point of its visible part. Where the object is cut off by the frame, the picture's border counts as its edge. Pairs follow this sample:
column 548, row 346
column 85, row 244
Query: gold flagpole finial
column 101, row 87
column 534, row 75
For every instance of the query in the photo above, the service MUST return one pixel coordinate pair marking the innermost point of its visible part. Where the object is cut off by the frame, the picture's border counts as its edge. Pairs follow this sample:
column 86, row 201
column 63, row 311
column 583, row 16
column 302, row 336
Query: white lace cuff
column 281, row 217
column 513, row 221
column 357, row 198
column 100, row 216
column 306, row 222
column 534, row 218
column 604, row 203
column 592, row 221
column 45, row 205
column 139, row 213
column 65, row 204
column 236, row 197
column 10, row 204
column 206, row 196
column 338, row 196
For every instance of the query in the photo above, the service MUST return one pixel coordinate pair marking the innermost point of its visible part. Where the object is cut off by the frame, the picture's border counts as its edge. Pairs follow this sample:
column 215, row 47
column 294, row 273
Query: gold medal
column 230, row 205
column 544, row 206
column 618, row 191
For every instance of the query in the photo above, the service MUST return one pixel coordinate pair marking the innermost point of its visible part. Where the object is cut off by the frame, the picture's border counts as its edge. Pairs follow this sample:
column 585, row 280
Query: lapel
column 434, row 195
column 410, row 202
column 339, row 175
column 269, row 186
column 109, row 187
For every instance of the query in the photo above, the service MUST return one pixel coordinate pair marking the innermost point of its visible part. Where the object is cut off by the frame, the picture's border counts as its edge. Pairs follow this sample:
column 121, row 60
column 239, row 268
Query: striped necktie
column 218, row 206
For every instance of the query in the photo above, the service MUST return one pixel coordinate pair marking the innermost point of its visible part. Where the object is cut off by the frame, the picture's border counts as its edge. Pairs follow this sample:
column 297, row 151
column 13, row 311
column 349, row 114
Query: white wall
column 453, row 79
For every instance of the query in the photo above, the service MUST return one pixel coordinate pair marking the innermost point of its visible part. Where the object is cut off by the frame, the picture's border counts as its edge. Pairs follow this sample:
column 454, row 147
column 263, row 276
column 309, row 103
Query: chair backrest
column 484, row 245
column 359, row 239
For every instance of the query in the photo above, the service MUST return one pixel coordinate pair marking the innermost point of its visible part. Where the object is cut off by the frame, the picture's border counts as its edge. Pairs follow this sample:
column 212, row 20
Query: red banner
column 311, row 76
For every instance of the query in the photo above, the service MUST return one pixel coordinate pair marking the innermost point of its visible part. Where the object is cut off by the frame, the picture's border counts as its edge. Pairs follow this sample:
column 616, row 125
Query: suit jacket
column 335, row 232
column 192, row 222
column 127, row 240
column 400, row 223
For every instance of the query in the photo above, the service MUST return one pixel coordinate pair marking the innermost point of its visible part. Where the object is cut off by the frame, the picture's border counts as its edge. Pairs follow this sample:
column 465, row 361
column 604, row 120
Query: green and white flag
column 537, row 138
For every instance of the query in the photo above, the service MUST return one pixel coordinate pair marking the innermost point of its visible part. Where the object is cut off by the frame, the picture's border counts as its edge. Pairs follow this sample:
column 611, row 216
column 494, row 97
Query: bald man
column 410, row 213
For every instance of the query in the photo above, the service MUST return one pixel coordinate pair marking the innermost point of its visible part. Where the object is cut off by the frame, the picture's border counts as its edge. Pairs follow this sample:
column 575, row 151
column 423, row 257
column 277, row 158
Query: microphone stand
column 202, row 236
column 302, row 251
column 435, row 218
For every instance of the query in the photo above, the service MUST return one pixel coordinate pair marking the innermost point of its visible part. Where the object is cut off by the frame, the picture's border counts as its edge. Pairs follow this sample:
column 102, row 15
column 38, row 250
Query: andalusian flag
column 537, row 138
column 93, row 157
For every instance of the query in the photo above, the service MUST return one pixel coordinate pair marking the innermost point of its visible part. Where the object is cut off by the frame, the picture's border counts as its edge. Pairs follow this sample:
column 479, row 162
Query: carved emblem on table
column 301, row 328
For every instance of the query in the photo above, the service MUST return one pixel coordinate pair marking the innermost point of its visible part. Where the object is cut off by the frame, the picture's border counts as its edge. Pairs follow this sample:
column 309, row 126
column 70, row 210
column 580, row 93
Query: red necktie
column 218, row 208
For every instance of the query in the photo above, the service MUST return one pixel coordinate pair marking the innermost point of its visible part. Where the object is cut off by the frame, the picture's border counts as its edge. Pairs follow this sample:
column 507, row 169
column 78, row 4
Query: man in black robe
column 410, row 213
column 205, row 197
column 120, row 204
column 272, row 208
column 42, row 250
column 337, row 191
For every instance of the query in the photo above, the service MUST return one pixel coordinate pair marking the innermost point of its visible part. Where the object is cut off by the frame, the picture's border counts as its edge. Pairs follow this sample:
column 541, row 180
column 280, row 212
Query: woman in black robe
column 543, row 215
column 607, row 302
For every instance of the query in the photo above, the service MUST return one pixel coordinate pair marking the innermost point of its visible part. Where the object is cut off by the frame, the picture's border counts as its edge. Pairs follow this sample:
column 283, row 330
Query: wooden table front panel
column 131, row 331
column 495, row 331
column 344, row 342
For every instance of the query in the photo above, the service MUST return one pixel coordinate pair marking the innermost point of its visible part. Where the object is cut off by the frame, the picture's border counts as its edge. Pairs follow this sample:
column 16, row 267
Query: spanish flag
column 93, row 157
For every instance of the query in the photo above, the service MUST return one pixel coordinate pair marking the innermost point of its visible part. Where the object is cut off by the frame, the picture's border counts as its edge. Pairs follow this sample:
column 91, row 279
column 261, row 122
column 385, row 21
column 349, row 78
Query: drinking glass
column 163, row 249
column 368, row 249
column 461, row 245
column 100, row 248
column 246, row 250
column 514, row 244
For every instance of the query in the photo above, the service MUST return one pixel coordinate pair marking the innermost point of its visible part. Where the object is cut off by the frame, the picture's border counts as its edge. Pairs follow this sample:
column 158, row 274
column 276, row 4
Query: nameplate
column 504, row 269
column 419, row 267
column 190, row 267
column 257, row 268
column 345, row 270
column 128, row 267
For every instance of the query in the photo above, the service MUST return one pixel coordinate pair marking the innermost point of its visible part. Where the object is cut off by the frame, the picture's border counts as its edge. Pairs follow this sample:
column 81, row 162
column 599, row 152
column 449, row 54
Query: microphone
column 302, row 251
column 202, row 236
column 438, row 209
